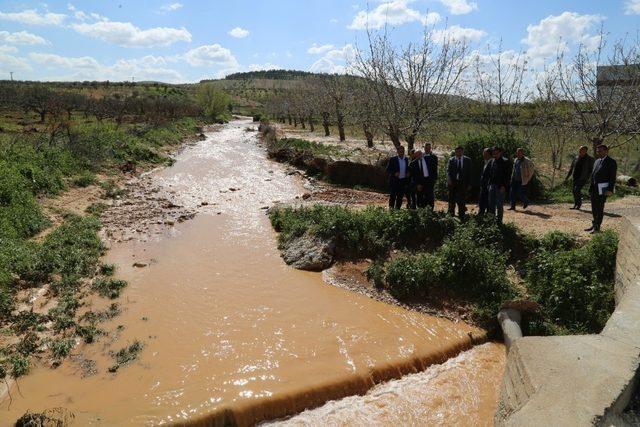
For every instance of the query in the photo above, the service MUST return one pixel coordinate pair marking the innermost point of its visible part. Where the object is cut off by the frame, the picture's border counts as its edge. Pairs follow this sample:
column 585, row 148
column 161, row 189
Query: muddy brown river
column 233, row 335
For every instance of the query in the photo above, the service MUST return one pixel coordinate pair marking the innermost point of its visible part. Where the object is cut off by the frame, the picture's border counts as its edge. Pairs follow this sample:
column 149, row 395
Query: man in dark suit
column 431, row 161
column 499, row 176
column 412, row 197
column 603, row 181
column 581, row 170
column 459, row 181
column 483, row 198
column 398, row 171
column 424, row 172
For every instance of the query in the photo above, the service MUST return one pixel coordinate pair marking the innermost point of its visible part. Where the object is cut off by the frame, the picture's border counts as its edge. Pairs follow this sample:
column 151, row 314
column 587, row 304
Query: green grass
column 305, row 146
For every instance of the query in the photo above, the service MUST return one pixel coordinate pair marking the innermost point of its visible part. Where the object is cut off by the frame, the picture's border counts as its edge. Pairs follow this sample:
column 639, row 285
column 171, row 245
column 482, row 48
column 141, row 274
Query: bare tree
column 554, row 119
column 413, row 82
column 602, row 84
column 499, row 84
column 363, row 108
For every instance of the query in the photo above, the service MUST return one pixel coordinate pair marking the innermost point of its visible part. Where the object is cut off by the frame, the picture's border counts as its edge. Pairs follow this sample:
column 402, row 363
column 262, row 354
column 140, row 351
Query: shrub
column 108, row 288
column 85, row 179
column 368, row 232
column 462, row 267
column 573, row 285
column 61, row 348
column 126, row 355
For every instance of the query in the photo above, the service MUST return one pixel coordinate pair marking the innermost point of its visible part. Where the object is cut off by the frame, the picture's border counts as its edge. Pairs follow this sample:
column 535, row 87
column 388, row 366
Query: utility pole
column 11, row 73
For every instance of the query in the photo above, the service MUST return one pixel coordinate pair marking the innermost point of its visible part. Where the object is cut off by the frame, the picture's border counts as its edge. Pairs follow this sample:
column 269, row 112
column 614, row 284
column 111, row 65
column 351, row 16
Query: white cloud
column 266, row 66
column 456, row 32
column 88, row 68
column 334, row 61
column 239, row 33
column 333, row 21
column 21, row 37
column 395, row 12
column 33, row 17
column 171, row 7
column 8, row 49
column 319, row 49
column 555, row 34
column 459, row 7
column 323, row 65
column 632, row 7
column 211, row 55
column 9, row 63
column 128, row 35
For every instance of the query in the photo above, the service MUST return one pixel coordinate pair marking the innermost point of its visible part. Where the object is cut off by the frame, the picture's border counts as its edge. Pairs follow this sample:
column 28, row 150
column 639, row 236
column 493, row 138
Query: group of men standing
column 414, row 179
column 415, row 176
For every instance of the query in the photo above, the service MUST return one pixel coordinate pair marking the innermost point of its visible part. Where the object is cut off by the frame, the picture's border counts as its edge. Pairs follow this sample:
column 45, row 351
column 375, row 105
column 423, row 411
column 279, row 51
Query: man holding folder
column 603, row 181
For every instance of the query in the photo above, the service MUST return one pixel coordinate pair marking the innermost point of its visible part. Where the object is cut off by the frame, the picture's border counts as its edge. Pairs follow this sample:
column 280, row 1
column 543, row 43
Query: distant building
column 619, row 81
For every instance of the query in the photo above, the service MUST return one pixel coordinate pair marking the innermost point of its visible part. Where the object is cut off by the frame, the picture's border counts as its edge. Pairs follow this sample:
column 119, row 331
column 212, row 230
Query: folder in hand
column 602, row 188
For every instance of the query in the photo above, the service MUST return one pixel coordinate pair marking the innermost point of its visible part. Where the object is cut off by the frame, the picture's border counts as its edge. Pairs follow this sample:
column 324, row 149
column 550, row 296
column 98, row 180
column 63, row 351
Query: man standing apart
column 483, row 200
column 498, row 181
column 522, row 174
column 458, row 180
column 398, row 171
column 581, row 170
column 603, row 181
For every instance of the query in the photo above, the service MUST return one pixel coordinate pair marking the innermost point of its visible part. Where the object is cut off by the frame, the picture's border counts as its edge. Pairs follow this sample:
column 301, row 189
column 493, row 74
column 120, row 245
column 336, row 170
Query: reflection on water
column 230, row 332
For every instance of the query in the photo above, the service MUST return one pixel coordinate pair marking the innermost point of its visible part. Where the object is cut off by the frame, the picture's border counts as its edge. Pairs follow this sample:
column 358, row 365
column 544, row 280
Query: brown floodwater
column 463, row 391
column 230, row 333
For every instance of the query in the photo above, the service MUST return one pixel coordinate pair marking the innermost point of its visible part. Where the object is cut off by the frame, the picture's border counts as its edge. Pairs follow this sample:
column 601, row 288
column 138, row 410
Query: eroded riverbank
column 230, row 332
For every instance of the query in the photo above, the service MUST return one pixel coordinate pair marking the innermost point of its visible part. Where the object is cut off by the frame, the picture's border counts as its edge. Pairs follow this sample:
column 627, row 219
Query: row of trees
column 51, row 103
column 409, row 91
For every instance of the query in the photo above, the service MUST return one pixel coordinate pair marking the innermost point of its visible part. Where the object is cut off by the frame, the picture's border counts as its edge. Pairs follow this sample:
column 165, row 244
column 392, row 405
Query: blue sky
column 186, row 40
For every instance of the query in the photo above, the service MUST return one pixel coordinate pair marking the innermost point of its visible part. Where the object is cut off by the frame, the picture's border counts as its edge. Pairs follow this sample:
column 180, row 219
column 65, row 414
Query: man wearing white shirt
column 398, row 171
column 423, row 174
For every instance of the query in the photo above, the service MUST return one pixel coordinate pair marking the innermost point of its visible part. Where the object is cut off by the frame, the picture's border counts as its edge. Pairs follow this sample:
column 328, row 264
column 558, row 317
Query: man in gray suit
column 459, row 181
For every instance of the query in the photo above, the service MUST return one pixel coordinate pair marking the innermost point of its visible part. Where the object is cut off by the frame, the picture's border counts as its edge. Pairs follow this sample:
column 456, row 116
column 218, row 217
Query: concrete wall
column 585, row 379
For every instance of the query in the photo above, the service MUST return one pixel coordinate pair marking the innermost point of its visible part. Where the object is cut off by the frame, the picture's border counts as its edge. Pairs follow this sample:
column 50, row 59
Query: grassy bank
column 65, row 262
column 470, row 262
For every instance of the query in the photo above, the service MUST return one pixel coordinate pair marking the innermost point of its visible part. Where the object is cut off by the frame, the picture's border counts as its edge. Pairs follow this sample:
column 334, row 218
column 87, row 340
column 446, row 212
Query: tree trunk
column 295, row 121
column 42, row 114
column 368, row 134
column 340, row 123
column 289, row 117
column 312, row 127
column 325, row 124
column 302, row 123
column 411, row 140
column 394, row 135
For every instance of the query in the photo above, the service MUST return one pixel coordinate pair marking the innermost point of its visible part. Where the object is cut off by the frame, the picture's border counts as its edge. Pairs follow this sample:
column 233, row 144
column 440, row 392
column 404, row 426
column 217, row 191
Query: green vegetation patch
column 126, row 355
column 305, row 146
column 372, row 231
column 573, row 283
column 468, row 262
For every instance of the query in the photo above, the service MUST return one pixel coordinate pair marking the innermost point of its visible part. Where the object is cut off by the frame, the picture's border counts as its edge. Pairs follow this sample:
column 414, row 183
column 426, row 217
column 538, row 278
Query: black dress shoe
column 512, row 209
column 525, row 206
column 573, row 208
column 594, row 231
column 589, row 229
